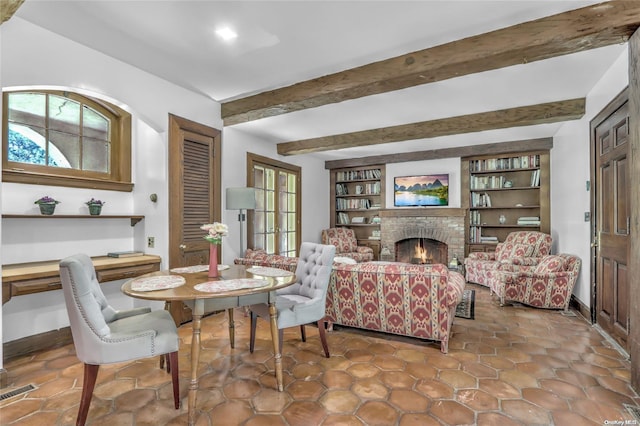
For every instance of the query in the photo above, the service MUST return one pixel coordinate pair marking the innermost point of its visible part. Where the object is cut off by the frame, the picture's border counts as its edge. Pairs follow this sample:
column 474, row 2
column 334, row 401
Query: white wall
column 315, row 185
column 570, row 170
column 28, row 53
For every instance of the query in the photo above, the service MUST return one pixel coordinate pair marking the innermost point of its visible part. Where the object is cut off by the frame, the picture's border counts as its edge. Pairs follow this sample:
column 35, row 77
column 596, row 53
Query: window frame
column 119, row 177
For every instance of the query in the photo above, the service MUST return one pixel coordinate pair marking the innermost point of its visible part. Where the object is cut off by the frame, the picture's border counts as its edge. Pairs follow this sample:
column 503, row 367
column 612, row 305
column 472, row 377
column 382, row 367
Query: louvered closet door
column 194, row 191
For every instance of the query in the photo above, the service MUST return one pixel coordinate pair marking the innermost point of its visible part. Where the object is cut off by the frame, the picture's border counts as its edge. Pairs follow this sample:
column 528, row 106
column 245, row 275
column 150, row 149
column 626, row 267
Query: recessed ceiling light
column 226, row 33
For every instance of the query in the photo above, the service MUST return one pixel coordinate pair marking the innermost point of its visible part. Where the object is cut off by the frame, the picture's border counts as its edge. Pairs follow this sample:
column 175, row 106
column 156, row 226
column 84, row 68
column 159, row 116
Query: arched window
column 65, row 139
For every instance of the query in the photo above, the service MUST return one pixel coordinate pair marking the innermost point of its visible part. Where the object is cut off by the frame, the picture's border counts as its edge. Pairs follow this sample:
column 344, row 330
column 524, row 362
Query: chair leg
column 232, row 333
column 323, row 337
column 303, row 333
column 173, row 365
column 89, row 383
column 252, row 331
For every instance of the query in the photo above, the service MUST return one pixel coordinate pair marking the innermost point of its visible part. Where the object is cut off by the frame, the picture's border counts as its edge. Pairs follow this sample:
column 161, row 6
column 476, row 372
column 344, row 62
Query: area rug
column 465, row 309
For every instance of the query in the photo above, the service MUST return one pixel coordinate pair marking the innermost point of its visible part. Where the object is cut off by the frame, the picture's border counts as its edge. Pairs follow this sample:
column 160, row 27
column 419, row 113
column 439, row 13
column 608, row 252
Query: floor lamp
column 241, row 199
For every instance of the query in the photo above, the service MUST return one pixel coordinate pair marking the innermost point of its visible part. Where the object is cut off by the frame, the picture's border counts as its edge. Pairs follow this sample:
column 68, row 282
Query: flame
column 420, row 253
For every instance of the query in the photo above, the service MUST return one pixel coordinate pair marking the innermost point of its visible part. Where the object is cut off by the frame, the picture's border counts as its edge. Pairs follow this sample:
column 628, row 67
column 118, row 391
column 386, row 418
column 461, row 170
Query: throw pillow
column 550, row 264
column 341, row 259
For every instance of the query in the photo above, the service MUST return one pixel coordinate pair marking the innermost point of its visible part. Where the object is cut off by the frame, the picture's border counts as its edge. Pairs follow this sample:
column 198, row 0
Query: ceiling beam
column 552, row 112
column 578, row 30
column 496, row 148
column 8, row 8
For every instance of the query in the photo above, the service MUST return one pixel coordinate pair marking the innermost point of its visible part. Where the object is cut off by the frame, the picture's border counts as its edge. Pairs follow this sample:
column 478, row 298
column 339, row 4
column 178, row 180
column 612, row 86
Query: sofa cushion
column 550, row 264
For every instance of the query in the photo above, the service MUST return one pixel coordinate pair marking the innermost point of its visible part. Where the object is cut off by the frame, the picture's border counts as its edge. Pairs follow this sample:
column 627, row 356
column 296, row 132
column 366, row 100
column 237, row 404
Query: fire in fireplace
column 421, row 251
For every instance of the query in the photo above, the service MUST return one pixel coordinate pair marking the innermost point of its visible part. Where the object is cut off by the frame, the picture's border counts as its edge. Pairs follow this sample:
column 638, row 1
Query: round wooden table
column 236, row 286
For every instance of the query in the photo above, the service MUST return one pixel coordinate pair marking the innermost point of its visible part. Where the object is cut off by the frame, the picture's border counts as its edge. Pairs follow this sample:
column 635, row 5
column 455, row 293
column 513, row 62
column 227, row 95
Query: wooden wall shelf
column 134, row 218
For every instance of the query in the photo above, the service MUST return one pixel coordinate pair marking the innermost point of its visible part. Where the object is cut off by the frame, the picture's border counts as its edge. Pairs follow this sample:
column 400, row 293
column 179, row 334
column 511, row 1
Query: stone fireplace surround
column 441, row 224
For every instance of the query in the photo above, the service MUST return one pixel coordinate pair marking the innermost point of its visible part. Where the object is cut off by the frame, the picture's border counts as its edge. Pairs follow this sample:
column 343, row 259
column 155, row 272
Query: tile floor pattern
column 512, row 365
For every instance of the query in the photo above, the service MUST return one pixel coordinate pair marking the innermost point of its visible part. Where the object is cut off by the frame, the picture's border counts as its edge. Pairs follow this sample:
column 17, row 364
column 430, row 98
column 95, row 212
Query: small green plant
column 94, row 202
column 46, row 200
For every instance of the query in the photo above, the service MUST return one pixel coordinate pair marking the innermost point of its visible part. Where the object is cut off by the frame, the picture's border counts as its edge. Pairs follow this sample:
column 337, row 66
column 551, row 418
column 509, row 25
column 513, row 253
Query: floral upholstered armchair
column 549, row 284
column 518, row 251
column 346, row 244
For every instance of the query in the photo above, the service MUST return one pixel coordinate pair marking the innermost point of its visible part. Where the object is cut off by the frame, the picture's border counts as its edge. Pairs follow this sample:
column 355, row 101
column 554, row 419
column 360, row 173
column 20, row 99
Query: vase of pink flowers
column 215, row 232
column 47, row 205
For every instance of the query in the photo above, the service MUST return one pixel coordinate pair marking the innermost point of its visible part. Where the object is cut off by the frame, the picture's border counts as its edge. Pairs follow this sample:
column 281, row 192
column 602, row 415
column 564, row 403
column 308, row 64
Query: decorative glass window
column 66, row 139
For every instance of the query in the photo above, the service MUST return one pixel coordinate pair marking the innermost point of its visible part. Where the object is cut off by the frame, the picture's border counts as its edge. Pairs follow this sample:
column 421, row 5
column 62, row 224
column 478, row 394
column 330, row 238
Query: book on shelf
column 133, row 253
column 488, row 239
column 343, row 218
column 535, row 178
column 480, row 200
column 529, row 220
column 508, row 163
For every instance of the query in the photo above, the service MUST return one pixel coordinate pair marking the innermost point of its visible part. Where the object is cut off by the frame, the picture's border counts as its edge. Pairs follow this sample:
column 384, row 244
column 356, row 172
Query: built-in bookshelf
column 357, row 195
column 504, row 194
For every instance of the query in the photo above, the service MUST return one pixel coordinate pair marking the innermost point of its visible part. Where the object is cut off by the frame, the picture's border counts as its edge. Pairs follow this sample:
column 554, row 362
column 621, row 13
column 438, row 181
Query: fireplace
column 441, row 228
column 421, row 251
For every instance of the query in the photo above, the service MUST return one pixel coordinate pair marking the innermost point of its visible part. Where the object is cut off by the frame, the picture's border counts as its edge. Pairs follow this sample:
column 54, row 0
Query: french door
column 275, row 224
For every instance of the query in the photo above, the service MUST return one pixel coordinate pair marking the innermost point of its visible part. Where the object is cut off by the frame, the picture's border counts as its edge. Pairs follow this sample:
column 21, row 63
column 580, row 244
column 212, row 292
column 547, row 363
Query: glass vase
column 213, row 260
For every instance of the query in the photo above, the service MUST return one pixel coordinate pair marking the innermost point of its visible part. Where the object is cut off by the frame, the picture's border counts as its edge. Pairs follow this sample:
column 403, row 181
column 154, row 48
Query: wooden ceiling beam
column 8, row 8
column 574, row 31
column 551, row 112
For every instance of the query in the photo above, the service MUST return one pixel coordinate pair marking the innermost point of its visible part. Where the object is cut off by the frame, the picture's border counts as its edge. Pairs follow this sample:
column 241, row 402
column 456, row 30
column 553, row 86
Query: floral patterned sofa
column 519, row 249
column 398, row 298
column 549, row 284
column 261, row 258
column 346, row 244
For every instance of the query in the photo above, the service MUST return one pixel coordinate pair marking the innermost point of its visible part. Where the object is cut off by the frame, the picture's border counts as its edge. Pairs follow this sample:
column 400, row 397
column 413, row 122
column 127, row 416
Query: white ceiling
column 283, row 42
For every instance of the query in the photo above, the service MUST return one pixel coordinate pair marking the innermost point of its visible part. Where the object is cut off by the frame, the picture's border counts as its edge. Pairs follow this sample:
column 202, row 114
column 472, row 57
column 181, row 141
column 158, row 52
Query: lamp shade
column 241, row 198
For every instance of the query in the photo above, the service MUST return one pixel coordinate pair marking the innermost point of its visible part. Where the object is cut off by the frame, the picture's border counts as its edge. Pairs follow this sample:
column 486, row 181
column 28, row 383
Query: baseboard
column 581, row 308
column 35, row 343
column 3, row 378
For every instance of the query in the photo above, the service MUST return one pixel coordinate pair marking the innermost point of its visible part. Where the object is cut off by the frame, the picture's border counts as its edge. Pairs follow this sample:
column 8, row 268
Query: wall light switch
column 588, row 185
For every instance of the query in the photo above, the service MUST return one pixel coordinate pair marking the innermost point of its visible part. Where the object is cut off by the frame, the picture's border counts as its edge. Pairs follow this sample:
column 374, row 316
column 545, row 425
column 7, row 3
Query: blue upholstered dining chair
column 304, row 301
column 102, row 335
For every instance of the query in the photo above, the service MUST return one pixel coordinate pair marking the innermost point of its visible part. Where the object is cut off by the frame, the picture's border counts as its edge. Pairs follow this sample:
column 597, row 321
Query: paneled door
column 275, row 223
column 610, row 199
column 194, row 195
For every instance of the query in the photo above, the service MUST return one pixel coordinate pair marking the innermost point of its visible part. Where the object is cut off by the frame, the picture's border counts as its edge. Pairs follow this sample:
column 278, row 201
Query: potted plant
column 47, row 205
column 95, row 206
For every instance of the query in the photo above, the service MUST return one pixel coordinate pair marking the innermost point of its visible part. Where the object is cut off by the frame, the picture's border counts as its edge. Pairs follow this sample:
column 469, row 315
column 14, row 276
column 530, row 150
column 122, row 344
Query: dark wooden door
column 194, row 195
column 610, row 151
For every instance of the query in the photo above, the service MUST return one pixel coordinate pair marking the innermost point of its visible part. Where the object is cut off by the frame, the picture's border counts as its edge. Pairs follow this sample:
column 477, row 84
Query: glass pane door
column 276, row 216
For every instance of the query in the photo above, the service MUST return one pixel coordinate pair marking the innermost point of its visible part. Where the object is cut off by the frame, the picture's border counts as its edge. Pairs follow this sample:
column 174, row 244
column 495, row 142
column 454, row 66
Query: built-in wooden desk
column 34, row 277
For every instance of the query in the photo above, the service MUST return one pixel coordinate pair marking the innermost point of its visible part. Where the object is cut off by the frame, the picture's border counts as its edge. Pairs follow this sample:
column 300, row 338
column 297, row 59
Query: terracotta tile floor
column 512, row 365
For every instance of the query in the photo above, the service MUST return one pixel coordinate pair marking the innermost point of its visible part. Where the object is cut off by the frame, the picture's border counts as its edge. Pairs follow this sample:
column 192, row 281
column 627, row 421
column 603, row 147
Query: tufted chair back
column 304, row 301
column 102, row 335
